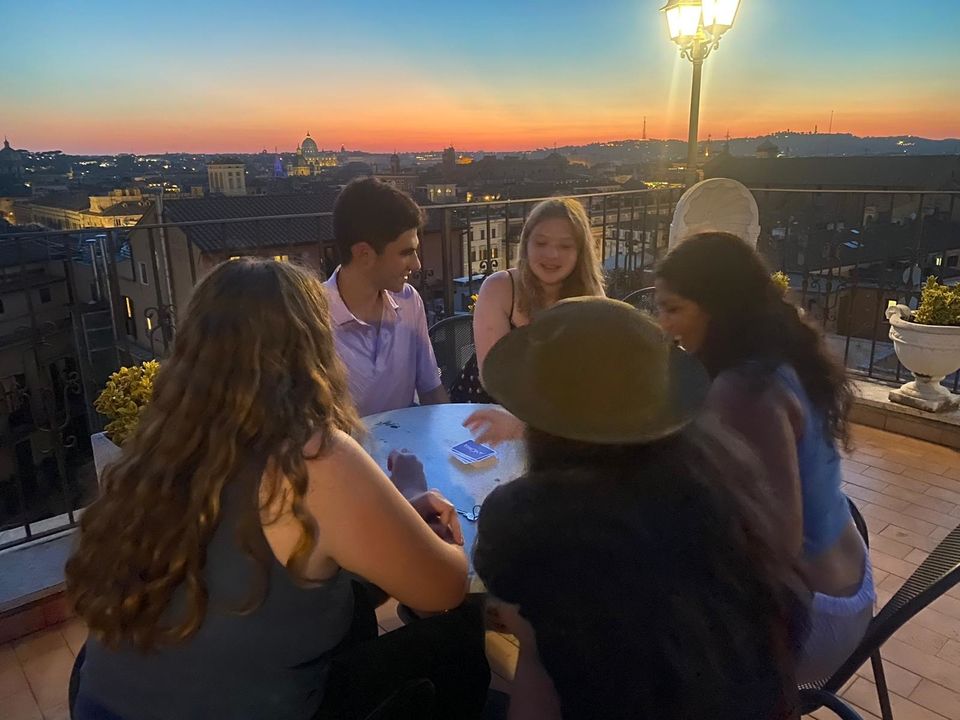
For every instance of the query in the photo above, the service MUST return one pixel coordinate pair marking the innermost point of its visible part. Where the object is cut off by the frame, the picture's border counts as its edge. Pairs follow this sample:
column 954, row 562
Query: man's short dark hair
column 373, row 212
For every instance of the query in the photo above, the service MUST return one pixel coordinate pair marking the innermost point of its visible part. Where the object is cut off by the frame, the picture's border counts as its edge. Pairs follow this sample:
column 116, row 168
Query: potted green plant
column 927, row 342
column 127, row 392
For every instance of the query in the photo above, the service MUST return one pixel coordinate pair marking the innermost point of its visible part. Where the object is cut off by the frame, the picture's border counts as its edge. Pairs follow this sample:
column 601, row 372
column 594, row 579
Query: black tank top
column 270, row 663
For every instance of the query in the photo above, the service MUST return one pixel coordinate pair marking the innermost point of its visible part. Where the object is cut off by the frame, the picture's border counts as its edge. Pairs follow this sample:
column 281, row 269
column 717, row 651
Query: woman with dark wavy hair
column 636, row 560
column 211, row 571
column 776, row 384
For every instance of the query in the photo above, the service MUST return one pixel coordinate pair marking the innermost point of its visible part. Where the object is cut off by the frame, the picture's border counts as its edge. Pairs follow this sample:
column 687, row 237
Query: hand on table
column 406, row 473
column 440, row 515
column 493, row 426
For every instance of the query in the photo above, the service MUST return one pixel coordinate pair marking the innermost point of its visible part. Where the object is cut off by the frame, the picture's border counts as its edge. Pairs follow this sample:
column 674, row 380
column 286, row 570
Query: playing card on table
column 471, row 452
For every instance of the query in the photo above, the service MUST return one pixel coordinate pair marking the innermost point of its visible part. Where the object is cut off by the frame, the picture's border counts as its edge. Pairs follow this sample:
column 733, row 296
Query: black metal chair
column 452, row 340
column 643, row 299
column 937, row 574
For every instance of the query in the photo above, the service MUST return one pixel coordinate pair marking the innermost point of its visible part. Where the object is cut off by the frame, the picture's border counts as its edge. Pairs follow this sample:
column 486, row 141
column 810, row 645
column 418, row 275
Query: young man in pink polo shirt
column 380, row 327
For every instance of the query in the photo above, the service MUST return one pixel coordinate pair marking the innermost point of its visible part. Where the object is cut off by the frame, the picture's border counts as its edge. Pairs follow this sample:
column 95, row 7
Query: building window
column 45, row 295
column 230, row 183
column 495, row 251
column 130, row 321
column 473, row 256
column 493, row 233
column 951, row 261
column 282, row 258
column 234, row 257
column 1, row 306
column 483, row 234
column 143, row 274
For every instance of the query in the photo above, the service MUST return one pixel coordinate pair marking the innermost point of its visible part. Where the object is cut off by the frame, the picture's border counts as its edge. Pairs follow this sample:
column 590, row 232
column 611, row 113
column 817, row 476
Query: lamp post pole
column 696, row 26
column 696, row 58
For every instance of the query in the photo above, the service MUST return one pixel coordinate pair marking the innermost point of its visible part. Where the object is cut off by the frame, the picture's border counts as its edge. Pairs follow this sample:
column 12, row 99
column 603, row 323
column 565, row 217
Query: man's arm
column 434, row 397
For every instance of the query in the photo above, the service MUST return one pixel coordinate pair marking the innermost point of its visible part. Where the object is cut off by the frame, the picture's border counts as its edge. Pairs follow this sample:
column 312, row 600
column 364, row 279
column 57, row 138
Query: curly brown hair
column 253, row 376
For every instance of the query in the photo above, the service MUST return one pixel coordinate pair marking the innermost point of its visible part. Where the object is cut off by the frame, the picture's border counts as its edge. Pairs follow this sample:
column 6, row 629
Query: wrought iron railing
column 77, row 304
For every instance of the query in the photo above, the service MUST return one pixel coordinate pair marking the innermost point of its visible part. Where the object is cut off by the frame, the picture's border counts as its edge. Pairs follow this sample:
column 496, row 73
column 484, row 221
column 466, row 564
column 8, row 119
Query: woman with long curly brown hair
column 775, row 382
column 211, row 570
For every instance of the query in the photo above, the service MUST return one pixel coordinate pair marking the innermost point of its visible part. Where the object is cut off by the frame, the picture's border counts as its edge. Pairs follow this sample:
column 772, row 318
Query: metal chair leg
column 886, row 712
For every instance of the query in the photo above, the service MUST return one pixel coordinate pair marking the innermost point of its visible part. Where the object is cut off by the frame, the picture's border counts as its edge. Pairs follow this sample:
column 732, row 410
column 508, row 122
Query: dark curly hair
column 651, row 574
column 752, row 327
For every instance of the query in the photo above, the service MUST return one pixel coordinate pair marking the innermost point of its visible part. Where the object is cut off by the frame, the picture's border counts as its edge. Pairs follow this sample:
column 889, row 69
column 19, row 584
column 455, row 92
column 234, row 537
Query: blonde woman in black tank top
column 558, row 259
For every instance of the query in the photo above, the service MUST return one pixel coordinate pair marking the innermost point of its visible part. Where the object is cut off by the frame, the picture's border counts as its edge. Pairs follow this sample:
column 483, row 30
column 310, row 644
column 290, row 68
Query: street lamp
column 696, row 27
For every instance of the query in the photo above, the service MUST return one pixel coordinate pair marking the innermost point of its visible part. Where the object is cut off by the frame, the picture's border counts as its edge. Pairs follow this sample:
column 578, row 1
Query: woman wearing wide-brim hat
column 633, row 556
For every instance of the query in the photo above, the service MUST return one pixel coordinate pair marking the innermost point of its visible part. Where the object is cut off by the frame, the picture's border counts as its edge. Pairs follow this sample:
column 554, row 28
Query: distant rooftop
column 914, row 172
column 259, row 234
column 225, row 160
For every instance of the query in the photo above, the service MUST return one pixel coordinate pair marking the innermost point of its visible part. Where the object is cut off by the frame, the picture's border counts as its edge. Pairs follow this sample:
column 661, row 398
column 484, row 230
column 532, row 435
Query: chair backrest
column 937, row 574
column 643, row 299
column 452, row 340
column 859, row 522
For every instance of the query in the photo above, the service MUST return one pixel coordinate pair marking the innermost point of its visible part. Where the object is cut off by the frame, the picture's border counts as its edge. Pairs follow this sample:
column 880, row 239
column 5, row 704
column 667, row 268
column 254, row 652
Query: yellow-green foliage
column 127, row 393
column 782, row 281
column 473, row 302
column 939, row 304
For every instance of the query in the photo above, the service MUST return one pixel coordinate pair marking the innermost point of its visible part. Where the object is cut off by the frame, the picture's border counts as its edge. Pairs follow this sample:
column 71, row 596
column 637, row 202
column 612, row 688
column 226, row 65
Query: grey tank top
column 270, row 663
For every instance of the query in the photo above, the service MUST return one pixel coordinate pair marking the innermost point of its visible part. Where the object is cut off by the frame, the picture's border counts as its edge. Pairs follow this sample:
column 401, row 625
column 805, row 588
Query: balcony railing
column 848, row 254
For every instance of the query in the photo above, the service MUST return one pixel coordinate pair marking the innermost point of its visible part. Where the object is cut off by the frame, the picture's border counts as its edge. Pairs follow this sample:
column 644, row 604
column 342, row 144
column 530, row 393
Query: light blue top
column 825, row 509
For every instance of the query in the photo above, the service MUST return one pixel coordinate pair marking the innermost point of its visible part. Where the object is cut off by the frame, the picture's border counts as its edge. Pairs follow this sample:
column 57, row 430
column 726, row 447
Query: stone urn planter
column 105, row 451
column 930, row 352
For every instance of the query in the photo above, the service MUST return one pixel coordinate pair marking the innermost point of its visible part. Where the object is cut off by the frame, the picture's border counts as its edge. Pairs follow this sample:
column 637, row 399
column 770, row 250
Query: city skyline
column 214, row 79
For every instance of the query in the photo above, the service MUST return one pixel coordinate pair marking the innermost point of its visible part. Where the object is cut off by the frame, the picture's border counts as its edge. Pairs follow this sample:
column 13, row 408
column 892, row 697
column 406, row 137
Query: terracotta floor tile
column 872, row 496
column 951, row 496
column 932, row 618
column 889, row 478
column 38, row 644
column 21, row 706
column 75, row 633
column 501, row 654
column 941, row 481
column 60, row 712
column 880, row 463
column 909, row 537
column 899, row 680
column 864, row 694
column 897, row 567
column 920, row 499
column 937, row 698
column 939, row 533
column 928, row 666
column 49, row 676
column 852, row 466
column 878, row 518
column 937, row 518
column 891, row 547
column 951, row 652
column 929, row 464
column 12, row 679
column 866, row 481
column 930, row 641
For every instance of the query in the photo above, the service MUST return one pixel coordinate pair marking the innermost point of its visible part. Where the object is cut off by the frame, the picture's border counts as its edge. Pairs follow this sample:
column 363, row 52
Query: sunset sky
column 213, row 76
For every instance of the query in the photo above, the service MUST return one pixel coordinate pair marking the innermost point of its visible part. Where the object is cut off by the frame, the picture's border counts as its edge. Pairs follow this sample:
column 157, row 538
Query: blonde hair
column 586, row 278
column 253, row 376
